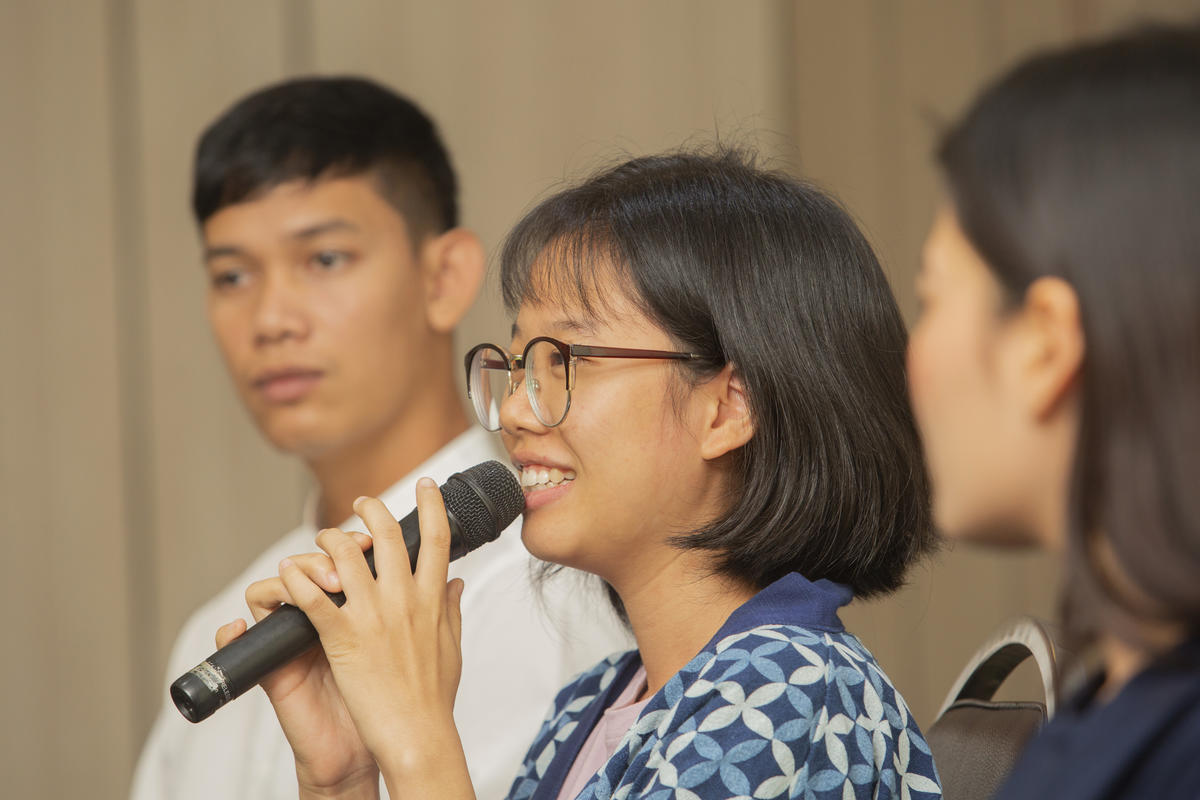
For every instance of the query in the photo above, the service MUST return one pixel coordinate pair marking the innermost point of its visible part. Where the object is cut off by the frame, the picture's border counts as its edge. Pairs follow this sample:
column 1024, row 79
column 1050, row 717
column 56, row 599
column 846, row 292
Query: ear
column 727, row 422
column 452, row 270
column 1053, row 346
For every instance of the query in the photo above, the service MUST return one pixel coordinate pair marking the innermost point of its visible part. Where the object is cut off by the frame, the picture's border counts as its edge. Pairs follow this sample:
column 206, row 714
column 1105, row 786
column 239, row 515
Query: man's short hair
column 314, row 128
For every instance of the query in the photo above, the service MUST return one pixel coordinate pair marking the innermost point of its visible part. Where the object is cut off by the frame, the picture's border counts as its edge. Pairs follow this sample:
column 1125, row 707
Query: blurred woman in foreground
column 1055, row 375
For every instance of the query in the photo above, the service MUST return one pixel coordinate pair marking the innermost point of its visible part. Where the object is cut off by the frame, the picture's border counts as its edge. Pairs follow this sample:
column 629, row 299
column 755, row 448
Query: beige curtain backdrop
column 131, row 484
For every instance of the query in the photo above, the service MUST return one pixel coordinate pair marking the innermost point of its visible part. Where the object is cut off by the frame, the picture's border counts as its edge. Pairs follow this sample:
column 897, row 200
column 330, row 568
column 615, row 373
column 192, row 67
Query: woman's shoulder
column 827, row 672
column 775, row 706
column 1140, row 743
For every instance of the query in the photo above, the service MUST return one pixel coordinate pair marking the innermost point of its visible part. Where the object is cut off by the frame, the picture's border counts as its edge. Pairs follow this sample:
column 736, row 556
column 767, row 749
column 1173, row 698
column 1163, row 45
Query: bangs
column 562, row 255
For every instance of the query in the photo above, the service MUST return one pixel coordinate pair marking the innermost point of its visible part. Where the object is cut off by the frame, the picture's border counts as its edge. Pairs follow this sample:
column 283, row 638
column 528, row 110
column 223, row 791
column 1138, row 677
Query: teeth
column 545, row 477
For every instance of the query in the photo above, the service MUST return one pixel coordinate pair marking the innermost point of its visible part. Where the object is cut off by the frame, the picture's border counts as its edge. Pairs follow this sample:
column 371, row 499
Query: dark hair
column 1084, row 164
column 311, row 128
column 757, row 269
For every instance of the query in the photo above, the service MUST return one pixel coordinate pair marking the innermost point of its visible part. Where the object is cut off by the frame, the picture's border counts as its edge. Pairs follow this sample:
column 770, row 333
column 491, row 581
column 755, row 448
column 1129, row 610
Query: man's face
column 317, row 303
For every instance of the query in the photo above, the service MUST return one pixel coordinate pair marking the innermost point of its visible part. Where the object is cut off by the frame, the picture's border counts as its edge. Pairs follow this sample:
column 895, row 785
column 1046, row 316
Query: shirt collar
column 792, row 600
column 459, row 453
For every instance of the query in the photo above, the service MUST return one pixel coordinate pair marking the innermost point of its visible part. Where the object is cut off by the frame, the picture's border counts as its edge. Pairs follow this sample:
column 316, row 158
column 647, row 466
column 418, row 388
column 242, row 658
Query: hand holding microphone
column 383, row 681
column 479, row 503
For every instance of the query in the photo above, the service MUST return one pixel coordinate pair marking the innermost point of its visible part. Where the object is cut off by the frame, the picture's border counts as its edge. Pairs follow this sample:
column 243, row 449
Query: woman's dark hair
column 311, row 128
column 759, row 270
column 1084, row 164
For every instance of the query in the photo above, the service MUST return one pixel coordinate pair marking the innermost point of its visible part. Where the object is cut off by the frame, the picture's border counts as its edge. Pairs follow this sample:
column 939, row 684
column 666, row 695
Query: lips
column 288, row 385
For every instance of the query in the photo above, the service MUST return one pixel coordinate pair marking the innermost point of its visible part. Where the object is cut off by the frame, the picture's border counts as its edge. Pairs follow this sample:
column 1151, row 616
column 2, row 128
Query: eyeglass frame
column 569, row 352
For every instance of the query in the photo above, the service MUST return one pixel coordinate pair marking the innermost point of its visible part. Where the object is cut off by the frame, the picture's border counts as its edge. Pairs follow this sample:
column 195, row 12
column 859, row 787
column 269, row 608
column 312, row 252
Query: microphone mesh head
column 485, row 499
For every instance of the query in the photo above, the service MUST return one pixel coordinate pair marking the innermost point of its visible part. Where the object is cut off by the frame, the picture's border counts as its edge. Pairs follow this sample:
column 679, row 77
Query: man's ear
column 1052, row 346
column 727, row 421
column 452, row 270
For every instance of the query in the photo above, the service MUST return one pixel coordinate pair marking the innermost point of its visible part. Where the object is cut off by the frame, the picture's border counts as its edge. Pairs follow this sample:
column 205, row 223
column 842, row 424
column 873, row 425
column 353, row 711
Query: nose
column 516, row 412
column 280, row 313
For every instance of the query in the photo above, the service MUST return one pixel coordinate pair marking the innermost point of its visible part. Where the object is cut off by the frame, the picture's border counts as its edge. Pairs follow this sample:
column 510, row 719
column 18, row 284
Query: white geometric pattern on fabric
column 772, row 712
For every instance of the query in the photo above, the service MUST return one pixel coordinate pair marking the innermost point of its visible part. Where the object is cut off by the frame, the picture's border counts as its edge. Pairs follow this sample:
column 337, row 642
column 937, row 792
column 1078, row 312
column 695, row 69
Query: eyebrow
column 585, row 327
column 336, row 224
column 305, row 233
column 220, row 251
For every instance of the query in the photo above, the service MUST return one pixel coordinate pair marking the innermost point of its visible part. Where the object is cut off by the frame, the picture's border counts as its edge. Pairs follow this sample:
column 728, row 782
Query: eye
column 228, row 278
column 328, row 260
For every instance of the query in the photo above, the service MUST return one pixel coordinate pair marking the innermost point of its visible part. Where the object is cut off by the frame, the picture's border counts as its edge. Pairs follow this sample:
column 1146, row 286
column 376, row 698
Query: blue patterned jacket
column 782, row 702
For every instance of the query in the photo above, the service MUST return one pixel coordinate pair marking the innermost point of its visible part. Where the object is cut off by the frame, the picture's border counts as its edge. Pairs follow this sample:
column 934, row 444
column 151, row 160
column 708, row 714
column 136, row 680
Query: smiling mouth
column 535, row 479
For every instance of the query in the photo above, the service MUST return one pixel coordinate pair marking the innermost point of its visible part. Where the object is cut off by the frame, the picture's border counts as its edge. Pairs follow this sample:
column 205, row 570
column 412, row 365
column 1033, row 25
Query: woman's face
column 624, row 467
column 967, row 358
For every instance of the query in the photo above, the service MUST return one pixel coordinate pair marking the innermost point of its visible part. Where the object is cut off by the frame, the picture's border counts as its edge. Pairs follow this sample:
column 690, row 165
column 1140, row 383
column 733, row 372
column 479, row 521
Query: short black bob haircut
column 1083, row 163
column 314, row 128
column 758, row 269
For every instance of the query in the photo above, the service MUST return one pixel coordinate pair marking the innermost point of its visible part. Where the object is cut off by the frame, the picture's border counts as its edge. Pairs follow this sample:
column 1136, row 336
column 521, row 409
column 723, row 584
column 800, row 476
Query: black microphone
column 480, row 502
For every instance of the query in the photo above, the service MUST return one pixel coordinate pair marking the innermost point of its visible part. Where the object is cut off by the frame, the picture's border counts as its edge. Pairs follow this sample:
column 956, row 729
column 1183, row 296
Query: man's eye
column 228, row 279
column 329, row 259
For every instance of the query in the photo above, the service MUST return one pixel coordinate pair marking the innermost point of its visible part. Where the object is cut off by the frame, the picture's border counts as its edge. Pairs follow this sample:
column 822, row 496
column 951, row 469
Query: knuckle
column 344, row 547
column 257, row 589
column 313, row 562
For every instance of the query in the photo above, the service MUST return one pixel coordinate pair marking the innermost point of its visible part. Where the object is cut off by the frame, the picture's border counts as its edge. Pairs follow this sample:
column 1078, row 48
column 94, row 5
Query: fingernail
column 333, row 580
column 359, row 500
column 426, row 483
column 287, row 562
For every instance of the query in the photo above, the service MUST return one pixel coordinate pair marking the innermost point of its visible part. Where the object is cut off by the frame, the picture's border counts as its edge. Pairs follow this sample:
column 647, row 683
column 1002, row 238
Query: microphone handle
column 276, row 639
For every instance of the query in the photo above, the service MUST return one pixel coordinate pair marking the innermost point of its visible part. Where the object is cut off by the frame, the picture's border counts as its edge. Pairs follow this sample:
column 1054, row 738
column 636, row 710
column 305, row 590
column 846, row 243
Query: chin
column 551, row 547
column 302, row 442
column 1000, row 533
column 534, row 545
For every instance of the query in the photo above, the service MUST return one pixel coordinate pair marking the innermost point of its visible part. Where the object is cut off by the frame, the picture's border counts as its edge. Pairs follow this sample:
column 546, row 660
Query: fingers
column 230, row 631
column 265, row 596
column 454, row 593
column 320, row 569
column 434, row 559
column 391, row 554
column 304, row 592
column 346, row 553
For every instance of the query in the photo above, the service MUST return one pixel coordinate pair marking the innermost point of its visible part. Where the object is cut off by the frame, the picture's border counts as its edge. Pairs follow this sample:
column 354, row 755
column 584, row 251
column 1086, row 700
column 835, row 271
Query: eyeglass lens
column 489, row 385
column 544, row 376
column 546, row 382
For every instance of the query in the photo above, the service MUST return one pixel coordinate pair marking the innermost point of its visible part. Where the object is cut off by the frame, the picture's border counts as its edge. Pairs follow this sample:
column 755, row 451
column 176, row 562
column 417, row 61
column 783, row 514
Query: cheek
column 232, row 334
column 625, row 437
column 375, row 327
column 943, row 386
column 967, row 438
column 922, row 365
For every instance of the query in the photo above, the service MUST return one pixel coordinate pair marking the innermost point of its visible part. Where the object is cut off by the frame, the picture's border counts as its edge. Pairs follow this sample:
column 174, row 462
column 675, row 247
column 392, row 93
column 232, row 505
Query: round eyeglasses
column 546, row 367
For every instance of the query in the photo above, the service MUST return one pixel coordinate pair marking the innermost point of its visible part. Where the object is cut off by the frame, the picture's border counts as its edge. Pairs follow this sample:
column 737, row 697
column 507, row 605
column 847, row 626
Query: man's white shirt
column 520, row 645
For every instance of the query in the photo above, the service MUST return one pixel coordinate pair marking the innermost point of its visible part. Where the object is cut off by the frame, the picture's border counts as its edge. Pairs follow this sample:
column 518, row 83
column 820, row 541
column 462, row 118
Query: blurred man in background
column 337, row 274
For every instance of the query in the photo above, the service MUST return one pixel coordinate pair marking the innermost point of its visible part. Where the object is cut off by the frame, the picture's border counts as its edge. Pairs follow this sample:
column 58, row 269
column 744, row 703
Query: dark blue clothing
column 781, row 703
column 1144, row 743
